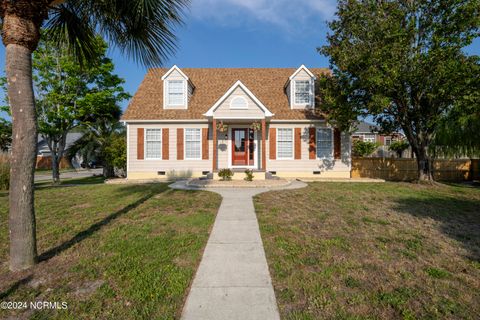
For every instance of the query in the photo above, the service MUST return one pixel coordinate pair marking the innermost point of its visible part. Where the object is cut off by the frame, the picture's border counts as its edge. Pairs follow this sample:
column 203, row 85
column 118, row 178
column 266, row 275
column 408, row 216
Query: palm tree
column 143, row 29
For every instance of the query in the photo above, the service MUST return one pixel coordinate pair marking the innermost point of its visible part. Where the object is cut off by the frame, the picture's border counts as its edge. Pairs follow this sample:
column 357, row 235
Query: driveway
column 82, row 173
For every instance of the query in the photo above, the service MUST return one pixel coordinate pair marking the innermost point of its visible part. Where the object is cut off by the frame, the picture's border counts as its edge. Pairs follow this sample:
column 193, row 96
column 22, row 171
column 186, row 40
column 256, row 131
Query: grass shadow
column 82, row 235
column 15, row 286
column 459, row 217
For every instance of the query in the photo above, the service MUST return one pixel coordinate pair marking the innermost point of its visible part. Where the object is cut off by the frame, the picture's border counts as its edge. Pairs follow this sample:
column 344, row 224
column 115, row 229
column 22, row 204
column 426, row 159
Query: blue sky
column 245, row 33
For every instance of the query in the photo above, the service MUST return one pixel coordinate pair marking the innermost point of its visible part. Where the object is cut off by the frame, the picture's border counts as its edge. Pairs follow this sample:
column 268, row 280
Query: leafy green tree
column 363, row 148
column 398, row 146
column 5, row 134
column 142, row 29
column 69, row 95
column 116, row 152
column 403, row 63
column 96, row 143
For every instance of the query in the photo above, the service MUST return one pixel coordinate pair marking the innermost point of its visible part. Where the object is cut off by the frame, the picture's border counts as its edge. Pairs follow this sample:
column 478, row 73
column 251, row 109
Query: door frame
column 255, row 148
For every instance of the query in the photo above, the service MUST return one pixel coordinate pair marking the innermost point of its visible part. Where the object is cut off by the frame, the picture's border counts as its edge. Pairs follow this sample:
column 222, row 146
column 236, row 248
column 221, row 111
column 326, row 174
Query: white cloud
column 292, row 15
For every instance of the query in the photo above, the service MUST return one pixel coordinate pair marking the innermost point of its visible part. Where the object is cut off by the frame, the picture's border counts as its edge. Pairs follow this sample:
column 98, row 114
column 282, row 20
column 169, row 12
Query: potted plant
column 249, row 175
column 225, row 174
column 222, row 127
column 256, row 126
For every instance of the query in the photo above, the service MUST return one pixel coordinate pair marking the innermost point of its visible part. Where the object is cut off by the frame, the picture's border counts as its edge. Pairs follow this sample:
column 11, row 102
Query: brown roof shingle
column 210, row 85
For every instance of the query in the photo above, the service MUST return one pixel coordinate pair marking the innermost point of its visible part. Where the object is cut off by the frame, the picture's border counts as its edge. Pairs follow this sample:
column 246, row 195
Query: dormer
column 300, row 89
column 177, row 89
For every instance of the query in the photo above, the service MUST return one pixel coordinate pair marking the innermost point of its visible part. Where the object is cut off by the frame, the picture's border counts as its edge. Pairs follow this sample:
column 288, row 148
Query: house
column 370, row 132
column 44, row 156
column 194, row 122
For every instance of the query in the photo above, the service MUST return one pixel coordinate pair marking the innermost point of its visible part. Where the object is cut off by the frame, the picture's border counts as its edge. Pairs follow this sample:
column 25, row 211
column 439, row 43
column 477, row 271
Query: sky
column 244, row 33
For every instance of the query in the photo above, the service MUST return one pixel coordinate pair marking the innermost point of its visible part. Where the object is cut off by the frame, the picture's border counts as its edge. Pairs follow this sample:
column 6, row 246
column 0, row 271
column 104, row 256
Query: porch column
column 264, row 154
column 214, row 138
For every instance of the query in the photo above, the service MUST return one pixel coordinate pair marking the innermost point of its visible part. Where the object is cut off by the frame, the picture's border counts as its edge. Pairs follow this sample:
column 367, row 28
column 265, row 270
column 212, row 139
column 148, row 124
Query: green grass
column 111, row 251
column 373, row 251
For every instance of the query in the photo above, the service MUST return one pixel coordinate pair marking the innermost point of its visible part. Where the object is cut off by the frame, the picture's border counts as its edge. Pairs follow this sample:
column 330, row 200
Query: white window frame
column 145, row 143
column 167, row 93
column 239, row 97
column 277, row 144
column 330, row 156
column 369, row 139
column 185, row 144
column 294, row 93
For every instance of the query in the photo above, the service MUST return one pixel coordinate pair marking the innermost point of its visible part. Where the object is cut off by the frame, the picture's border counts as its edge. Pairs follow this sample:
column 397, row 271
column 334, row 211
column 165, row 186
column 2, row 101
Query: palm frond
column 141, row 29
column 69, row 26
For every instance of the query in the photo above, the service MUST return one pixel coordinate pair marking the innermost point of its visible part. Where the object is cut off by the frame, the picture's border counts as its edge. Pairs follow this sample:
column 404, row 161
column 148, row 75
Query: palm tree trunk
column 21, row 21
column 23, row 248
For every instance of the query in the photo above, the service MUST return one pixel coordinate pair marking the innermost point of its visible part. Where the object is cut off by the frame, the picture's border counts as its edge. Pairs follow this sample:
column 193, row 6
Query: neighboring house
column 44, row 156
column 192, row 122
column 369, row 132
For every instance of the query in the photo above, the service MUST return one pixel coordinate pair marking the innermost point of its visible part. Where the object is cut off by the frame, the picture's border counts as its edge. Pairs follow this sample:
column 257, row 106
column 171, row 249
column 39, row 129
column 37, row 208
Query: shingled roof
column 210, row 85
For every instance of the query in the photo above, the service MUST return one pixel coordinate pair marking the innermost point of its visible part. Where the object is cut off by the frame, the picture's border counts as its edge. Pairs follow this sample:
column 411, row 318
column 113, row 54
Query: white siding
column 305, row 164
column 153, row 166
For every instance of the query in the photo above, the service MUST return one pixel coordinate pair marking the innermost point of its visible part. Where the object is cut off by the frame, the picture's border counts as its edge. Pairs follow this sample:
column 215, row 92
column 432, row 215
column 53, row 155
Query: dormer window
column 177, row 89
column 176, row 92
column 303, row 94
column 301, row 89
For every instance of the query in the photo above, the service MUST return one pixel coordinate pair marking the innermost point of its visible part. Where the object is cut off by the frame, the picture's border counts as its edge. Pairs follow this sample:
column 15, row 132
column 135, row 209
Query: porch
column 239, row 144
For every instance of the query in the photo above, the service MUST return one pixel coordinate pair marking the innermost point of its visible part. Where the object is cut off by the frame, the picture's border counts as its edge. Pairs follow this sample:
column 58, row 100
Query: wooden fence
column 406, row 169
column 46, row 163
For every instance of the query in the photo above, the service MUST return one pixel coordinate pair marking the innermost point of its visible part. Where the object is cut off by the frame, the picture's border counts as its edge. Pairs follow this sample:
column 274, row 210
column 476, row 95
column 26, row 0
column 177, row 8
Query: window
column 193, row 144
column 302, row 92
column 284, row 143
column 176, row 93
column 368, row 139
column 153, row 140
column 239, row 103
column 324, row 143
column 388, row 141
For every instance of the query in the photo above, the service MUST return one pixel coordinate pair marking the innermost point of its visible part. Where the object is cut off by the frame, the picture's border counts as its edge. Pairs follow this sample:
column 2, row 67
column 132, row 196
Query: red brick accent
column 179, row 143
column 312, row 143
column 165, row 143
column 264, row 145
column 337, row 144
column 205, row 143
column 214, row 138
column 140, row 143
column 272, row 137
column 298, row 143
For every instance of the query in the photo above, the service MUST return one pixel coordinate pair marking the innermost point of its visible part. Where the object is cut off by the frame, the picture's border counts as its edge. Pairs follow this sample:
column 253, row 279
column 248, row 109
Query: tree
column 398, row 146
column 402, row 62
column 5, row 134
column 99, row 135
column 363, row 148
column 68, row 94
column 143, row 29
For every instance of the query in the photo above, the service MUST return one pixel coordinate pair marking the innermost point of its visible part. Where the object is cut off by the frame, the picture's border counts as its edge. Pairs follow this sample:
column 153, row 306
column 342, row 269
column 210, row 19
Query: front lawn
column 373, row 251
column 110, row 251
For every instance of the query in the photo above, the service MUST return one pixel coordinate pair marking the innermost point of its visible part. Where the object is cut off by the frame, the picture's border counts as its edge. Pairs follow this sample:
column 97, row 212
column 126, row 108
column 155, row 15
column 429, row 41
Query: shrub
column 225, row 174
column 399, row 147
column 249, row 175
column 363, row 148
column 4, row 171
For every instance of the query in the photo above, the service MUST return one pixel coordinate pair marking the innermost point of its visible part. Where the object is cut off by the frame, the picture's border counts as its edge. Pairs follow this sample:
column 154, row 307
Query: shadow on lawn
column 82, row 235
column 459, row 218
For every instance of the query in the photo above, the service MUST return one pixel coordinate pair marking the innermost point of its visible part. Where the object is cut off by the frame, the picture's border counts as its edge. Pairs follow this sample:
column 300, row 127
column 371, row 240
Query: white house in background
column 194, row 122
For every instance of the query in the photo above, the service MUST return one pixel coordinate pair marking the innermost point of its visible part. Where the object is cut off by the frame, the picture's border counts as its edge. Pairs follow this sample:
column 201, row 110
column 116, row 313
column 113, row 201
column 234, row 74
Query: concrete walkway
column 233, row 281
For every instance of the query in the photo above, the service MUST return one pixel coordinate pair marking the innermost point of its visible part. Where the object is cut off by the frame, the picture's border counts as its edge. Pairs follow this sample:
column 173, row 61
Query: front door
column 242, row 147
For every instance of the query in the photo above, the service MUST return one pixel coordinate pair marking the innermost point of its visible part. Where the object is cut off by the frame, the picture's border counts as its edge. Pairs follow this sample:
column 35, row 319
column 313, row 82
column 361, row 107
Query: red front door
column 242, row 147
